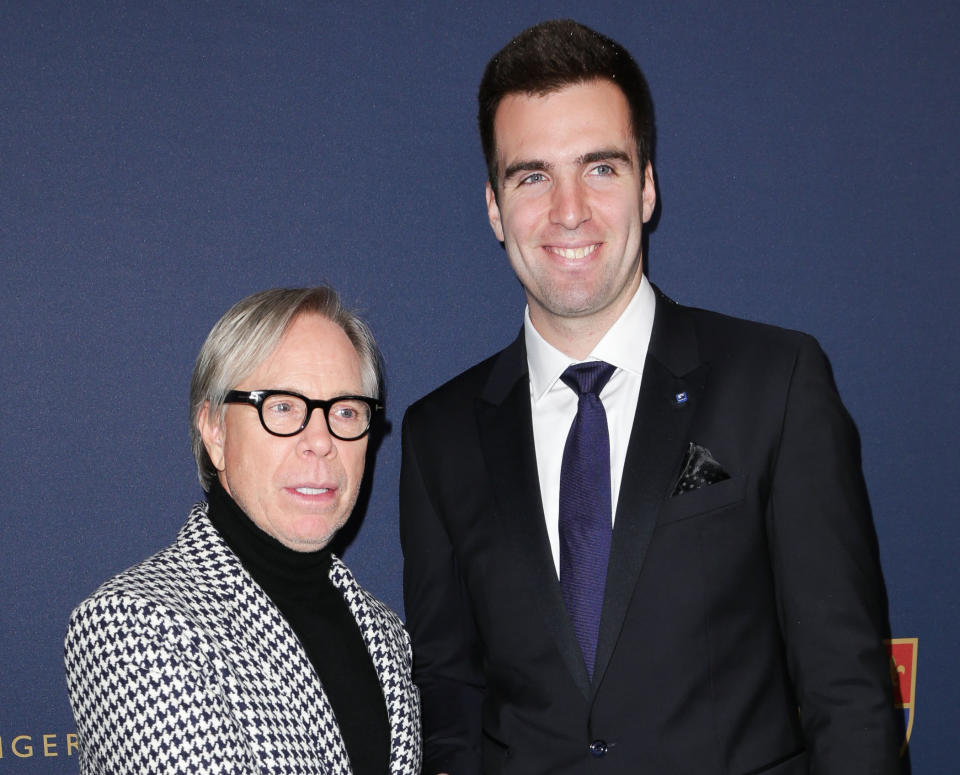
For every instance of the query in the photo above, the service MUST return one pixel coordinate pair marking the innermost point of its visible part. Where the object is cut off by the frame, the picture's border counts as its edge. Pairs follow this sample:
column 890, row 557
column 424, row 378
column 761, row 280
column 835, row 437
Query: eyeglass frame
column 256, row 398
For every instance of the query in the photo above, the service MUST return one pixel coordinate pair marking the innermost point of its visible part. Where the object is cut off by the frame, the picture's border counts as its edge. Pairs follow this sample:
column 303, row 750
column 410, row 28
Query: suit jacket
column 183, row 664
column 726, row 608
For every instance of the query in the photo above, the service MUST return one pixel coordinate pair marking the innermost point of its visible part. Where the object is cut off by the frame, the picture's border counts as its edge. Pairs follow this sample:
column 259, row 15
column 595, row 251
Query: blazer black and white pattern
column 183, row 664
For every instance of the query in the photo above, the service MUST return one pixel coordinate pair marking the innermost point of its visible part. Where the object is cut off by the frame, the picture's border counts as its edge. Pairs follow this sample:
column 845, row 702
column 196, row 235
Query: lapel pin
column 681, row 397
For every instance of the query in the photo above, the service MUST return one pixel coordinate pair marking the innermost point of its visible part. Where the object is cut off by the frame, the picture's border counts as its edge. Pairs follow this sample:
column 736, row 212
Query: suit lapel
column 672, row 385
column 265, row 647
column 389, row 648
column 505, row 429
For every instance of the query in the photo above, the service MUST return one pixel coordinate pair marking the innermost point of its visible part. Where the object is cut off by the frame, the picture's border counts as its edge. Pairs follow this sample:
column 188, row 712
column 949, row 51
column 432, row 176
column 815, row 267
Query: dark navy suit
column 742, row 623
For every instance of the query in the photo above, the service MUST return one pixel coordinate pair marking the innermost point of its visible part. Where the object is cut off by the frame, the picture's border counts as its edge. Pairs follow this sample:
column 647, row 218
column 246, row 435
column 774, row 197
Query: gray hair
column 246, row 336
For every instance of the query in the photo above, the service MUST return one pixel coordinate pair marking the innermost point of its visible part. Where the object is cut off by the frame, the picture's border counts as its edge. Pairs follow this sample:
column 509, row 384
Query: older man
column 247, row 646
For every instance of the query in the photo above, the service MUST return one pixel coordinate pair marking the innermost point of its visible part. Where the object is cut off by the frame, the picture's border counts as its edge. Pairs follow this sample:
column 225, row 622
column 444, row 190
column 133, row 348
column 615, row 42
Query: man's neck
column 577, row 336
column 571, row 336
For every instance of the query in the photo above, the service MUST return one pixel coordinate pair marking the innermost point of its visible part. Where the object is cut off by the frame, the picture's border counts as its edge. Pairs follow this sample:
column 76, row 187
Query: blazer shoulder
column 167, row 581
column 458, row 394
column 722, row 335
column 150, row 580
column 725, row 326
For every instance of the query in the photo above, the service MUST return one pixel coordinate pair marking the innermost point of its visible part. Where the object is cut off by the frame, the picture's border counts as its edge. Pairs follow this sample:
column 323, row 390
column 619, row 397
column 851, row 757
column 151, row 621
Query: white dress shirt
column 554, row 404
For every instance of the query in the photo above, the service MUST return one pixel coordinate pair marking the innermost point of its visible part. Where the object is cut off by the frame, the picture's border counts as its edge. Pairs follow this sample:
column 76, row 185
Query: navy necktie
column 585, row 511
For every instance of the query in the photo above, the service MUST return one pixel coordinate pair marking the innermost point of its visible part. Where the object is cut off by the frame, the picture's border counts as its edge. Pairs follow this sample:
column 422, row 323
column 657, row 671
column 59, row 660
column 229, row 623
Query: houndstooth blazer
column 182, row 664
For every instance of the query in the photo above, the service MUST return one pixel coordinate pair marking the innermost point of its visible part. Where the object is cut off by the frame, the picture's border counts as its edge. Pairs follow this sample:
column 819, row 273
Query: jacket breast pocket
column 711, row 498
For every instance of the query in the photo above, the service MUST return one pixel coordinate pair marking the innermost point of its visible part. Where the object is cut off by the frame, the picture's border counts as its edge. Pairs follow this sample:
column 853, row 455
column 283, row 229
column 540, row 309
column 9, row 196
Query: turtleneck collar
column 299, row 585
column 274, row 566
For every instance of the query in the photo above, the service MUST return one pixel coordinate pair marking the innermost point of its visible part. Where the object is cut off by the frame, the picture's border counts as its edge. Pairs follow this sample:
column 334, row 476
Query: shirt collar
column 624, row 345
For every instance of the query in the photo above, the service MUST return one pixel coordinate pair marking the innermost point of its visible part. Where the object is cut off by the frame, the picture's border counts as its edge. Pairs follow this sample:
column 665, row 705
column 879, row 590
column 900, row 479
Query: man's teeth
column 575, row 252
column 312, row 490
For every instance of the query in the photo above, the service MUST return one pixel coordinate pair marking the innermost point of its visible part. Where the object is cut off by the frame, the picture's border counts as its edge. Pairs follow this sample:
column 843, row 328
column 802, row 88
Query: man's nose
column 570, row 206
column 316, row 437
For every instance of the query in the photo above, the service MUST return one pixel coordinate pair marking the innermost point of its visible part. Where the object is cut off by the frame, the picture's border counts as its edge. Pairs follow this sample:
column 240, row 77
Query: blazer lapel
column 265, row 647
column 672, row 385
column 389, row 647
column 505, row 428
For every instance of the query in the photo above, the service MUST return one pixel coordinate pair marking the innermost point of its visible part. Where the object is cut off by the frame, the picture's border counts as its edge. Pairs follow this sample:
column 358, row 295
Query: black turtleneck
column 299, row 585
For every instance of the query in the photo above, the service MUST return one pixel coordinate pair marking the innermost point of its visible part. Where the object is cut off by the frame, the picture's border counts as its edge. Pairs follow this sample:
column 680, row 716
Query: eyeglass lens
column 285, row 414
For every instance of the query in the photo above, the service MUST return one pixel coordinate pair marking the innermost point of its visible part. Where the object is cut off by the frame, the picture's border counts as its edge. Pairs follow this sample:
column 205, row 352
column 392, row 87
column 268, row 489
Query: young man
column 637, row 539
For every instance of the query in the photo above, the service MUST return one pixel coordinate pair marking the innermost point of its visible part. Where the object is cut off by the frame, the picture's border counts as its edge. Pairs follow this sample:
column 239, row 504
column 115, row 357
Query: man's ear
column 649, row 193
column 211, row 431
column 493, row 212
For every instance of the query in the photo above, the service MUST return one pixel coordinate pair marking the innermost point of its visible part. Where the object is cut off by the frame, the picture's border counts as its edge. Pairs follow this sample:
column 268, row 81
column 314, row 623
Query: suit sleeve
column 446, row 644
column 830, row 591
column 142, row 701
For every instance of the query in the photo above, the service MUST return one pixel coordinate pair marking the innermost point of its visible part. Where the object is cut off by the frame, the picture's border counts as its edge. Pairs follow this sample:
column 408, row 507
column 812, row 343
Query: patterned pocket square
column 698, row 470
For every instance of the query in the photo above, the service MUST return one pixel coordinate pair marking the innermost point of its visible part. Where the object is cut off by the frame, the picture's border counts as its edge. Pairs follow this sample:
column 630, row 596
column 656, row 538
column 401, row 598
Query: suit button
column 598, row 749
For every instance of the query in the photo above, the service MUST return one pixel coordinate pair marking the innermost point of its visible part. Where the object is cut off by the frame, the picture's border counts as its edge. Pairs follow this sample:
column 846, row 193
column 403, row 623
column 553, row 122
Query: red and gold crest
column 903, row 671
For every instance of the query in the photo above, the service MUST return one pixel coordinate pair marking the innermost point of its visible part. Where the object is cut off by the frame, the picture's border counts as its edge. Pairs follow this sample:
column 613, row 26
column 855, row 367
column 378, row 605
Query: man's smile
column 580, row 252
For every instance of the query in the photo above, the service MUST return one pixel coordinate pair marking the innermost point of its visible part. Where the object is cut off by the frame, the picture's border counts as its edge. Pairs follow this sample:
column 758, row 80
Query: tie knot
column 588, row 378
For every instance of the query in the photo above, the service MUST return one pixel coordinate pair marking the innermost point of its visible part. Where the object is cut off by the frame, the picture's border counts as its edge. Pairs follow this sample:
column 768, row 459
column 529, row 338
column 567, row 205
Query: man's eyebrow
column 605, row 155
column 538, row 165
column 532, row 165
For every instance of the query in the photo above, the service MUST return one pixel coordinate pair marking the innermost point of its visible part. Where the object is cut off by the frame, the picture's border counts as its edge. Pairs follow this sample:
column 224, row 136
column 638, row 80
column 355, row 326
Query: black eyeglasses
column 286, row 414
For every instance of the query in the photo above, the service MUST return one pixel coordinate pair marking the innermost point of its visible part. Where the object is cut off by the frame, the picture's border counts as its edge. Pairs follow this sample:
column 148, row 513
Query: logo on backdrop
column 44, row 746
column 903, row 671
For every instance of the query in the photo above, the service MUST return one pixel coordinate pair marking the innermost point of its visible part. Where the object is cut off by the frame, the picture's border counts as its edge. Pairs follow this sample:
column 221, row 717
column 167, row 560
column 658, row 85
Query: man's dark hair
column 551, row 56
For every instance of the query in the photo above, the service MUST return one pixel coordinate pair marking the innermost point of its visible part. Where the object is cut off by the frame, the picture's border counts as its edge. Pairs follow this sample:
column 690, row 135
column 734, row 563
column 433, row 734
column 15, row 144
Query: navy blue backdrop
column 158, row 161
